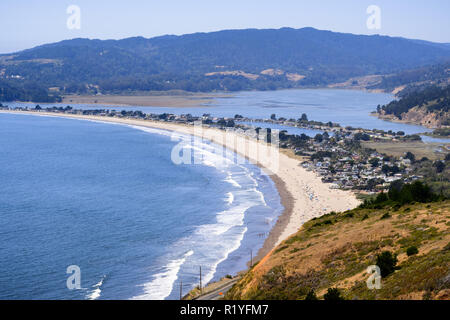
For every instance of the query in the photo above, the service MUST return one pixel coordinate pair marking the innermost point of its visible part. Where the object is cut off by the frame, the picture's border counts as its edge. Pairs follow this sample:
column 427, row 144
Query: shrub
column 412, row 250
column 311, row 296
column 386, row 261
column 402, row 194
column 349, row 215
column 385, row 216
column 410, row 156
column 333, row 294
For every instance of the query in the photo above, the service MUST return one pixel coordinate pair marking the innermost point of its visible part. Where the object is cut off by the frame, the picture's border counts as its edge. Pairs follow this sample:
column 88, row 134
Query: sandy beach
column 303, row 194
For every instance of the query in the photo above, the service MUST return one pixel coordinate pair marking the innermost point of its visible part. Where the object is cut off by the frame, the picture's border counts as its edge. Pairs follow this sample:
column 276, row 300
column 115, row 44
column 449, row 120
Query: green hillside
column 429, row 105
column 227, row 60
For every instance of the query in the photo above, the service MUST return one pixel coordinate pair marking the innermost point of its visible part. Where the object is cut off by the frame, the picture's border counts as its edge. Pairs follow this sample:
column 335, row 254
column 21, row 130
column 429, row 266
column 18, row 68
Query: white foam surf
column 213, row 242
column 232, row 182
column 161, row 285
column 230, row 198
column 96, row 292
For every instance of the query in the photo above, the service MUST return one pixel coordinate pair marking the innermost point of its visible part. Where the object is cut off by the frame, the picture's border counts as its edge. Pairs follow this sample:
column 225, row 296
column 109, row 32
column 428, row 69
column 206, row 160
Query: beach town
column 336, row 155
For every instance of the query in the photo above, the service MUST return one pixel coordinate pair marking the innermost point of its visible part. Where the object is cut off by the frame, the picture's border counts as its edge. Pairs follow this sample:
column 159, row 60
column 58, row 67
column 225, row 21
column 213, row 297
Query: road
column 217, row 293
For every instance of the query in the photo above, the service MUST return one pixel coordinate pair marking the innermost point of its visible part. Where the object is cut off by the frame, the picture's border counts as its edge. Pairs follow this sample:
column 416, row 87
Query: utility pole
column 181, row 289
column 251, row 258
column 200, row 280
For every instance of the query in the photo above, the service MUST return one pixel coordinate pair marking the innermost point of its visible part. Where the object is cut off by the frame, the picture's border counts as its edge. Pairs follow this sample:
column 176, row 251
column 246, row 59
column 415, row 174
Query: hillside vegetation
column 25, row 91
column 428, row 106
column 329, row 256
column 411, row 80
column 227, row 60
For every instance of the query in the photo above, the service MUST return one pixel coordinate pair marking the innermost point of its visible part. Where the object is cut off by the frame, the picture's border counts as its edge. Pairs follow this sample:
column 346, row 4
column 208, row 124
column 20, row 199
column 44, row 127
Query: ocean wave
column 234, row 246
column 161, row 285
column 230, row 198
column 96, row 291
column 213, row 242
column 261, row 196
column 159, row 131
column 233, row 182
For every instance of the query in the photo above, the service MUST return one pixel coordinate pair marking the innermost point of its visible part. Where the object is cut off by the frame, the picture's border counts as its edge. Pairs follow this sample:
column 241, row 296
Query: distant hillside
column 407, row 81
column 226, row 60
column 16, row 90
column 334, row 251
column 429, row 107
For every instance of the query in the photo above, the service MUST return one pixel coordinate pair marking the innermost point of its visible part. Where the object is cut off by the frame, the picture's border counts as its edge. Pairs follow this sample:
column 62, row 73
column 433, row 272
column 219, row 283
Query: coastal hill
column 406, row 81
column 328, row 258
column 428, row 107
column 403, row 82
column 227, row 60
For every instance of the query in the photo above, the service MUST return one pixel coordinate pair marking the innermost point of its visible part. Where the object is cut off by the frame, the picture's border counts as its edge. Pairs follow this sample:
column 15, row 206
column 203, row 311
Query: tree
column 221, row 122
column 394, row 190
column 395, row 169
column 273, row 116
column 372, row 183
column 230, row 123
column 333, row 294
column 419, row 192
column 318, row 138
column 439, row 165
column 386, row 261
column 362, row 136
column 385, row 169
column 382, row 197
column 311, row 295
column 410, row 156
column 412, row 251
column 304, row 117
column 374, row 162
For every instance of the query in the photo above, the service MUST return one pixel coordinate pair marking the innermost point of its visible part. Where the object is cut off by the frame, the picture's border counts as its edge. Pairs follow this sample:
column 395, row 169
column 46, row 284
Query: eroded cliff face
column 423, row 117
column 420, row 116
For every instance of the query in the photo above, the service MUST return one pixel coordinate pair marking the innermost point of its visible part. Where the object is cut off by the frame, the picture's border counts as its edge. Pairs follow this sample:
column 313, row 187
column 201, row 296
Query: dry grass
column 398, row 149
column 335, row 250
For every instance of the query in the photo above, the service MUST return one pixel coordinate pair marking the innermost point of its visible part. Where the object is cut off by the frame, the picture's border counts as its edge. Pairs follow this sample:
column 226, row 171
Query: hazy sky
column 27, row 23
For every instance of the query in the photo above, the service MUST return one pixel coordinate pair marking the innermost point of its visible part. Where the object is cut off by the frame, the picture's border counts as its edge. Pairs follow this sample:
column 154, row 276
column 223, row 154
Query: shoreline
column 396, row 120
column 302, row 193
column 179, row 99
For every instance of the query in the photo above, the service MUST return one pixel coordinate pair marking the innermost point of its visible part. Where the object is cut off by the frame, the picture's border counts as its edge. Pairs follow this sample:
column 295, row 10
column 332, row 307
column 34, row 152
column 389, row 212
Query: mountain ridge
column 226, row 60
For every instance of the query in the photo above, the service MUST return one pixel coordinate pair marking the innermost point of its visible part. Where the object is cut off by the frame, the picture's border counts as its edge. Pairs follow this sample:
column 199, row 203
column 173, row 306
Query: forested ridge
column 229, row 60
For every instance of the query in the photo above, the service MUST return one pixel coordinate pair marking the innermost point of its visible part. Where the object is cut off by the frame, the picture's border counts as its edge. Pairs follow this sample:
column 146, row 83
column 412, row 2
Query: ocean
column 108, row 199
